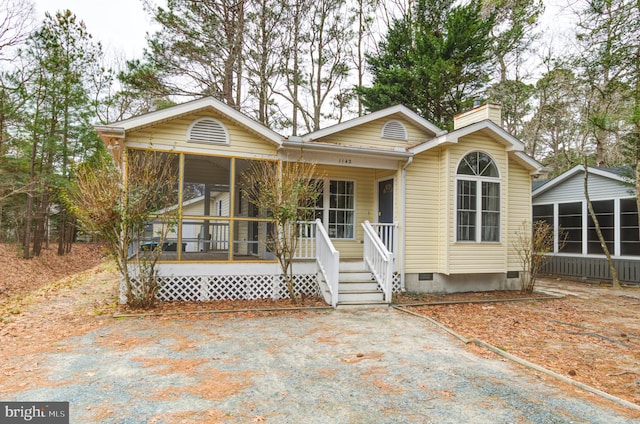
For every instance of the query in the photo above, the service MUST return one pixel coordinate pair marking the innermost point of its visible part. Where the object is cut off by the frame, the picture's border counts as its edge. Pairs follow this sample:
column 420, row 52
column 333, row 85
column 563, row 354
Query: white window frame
column 326, row 202
column 478, row 180
column 616, row 252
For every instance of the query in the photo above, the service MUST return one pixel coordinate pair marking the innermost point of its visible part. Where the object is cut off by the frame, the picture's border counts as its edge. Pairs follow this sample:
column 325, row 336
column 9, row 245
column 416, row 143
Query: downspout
column 401, row 246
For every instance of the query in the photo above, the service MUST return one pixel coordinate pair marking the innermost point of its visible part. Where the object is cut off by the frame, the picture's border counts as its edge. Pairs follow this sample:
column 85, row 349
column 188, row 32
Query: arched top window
column 478, row 199
column 208, row 130
column 394, row 130
column 479, row 164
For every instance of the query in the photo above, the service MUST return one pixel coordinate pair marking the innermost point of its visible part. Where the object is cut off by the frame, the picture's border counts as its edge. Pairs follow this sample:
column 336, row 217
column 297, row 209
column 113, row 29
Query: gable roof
column 402, row 110
column 118, row 129
column 512, row 145
column 615, row 174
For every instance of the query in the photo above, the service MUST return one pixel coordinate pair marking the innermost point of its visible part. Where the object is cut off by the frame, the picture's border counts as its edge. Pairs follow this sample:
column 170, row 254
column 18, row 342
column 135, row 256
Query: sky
column 119, row 24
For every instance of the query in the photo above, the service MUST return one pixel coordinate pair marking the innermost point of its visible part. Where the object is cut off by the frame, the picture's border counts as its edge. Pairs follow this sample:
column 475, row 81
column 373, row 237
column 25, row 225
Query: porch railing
column 306, row 248
column 388, row 234
column 379, row 259
column 328, row 260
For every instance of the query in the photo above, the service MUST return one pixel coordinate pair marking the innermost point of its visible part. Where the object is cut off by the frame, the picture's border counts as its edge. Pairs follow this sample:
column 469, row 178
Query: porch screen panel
column 629, row 232
column 247, row 171
column 160, row 235
column 318, row 211
column 252, row 240
column 205, row 190
column 570, row 222
column 205, row 240
column 606, row 218
column 162, row 199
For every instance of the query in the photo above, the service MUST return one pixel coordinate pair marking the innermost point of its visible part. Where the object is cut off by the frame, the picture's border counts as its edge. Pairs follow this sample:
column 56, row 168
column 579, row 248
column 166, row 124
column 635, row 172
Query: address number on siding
column 344, row 160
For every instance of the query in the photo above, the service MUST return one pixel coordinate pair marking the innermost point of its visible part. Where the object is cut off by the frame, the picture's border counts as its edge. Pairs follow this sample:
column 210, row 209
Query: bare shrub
column 533, row 245
column 119, row 209
column 287, row 194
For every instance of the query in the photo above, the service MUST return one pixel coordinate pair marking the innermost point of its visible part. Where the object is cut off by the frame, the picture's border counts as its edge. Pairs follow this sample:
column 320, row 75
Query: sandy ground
column 317, row 367
column 59, row 341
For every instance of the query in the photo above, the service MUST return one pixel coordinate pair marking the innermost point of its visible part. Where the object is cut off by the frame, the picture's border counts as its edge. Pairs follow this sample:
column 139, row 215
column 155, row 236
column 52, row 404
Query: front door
column 385, row 201
column 385, row 212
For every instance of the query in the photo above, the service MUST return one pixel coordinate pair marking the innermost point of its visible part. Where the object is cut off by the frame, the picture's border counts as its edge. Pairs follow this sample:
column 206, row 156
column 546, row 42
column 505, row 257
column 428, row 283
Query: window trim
column 616, row 252
column 326, row 202
column 478, row 180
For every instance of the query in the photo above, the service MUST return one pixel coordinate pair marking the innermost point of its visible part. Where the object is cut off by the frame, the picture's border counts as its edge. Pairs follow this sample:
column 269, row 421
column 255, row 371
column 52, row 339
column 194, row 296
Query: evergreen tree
column 55, row 128
column 435, row 60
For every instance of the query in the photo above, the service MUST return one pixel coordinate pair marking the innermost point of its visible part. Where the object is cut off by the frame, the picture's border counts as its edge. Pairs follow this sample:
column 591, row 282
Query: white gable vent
column 208, row 130
column 395, row 130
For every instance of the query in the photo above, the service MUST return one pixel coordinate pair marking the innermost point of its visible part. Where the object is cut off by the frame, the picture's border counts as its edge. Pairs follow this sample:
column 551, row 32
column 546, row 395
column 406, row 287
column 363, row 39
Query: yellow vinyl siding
column 474, row 257
column 446, row 222
column 486, row 111
column 173, row 134
column 519, row 210
column 365, row 204
column 370, row 135
column 423, row 213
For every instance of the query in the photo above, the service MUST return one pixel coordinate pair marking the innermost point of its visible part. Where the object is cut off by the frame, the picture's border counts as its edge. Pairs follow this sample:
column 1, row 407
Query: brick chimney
column 491, row 111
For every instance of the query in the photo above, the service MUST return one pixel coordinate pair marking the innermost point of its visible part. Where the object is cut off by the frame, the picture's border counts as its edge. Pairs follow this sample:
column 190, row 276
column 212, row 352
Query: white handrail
column 328, row 260
column 378, row 259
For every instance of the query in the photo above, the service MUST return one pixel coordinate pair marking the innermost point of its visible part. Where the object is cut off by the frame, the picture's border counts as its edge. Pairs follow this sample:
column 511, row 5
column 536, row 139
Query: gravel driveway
column 374, row 366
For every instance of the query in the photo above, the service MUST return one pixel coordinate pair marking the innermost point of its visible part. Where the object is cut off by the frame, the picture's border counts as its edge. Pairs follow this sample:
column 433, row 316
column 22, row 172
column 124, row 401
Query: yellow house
column 405, row 205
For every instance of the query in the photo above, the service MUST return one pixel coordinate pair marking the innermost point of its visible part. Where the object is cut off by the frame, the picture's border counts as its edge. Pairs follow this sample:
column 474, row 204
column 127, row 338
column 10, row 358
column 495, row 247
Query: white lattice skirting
column 229, row 287
column 396, row 283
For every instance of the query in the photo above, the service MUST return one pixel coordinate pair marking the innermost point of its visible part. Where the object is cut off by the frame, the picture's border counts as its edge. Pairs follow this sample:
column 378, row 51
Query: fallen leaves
column 592, row 336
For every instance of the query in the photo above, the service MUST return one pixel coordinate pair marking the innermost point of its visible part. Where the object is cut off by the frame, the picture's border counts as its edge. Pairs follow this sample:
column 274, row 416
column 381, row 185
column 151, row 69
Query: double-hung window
column 477, row 199
column 335, row 207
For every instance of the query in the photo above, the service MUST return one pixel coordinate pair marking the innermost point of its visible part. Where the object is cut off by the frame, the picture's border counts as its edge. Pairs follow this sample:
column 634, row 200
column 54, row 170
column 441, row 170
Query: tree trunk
column 26, row 241
column 39, row 225
column 296, row 68
column 603, row 244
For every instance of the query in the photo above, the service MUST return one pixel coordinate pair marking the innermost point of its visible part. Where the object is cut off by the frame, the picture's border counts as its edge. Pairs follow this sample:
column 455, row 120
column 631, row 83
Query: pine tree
column 435, row 60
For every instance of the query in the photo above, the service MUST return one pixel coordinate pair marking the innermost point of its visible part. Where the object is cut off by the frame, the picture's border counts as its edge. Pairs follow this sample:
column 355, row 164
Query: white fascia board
column 193, row 106
column 512, row 143
column 336, row 148
column 401, row 109
column 573, row 171
column 430, row 144
column 535, row 166
column 607, row 174
column 110, row 131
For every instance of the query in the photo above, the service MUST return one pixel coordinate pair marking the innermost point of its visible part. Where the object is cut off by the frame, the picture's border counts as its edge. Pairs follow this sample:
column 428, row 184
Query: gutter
column 115, row 132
